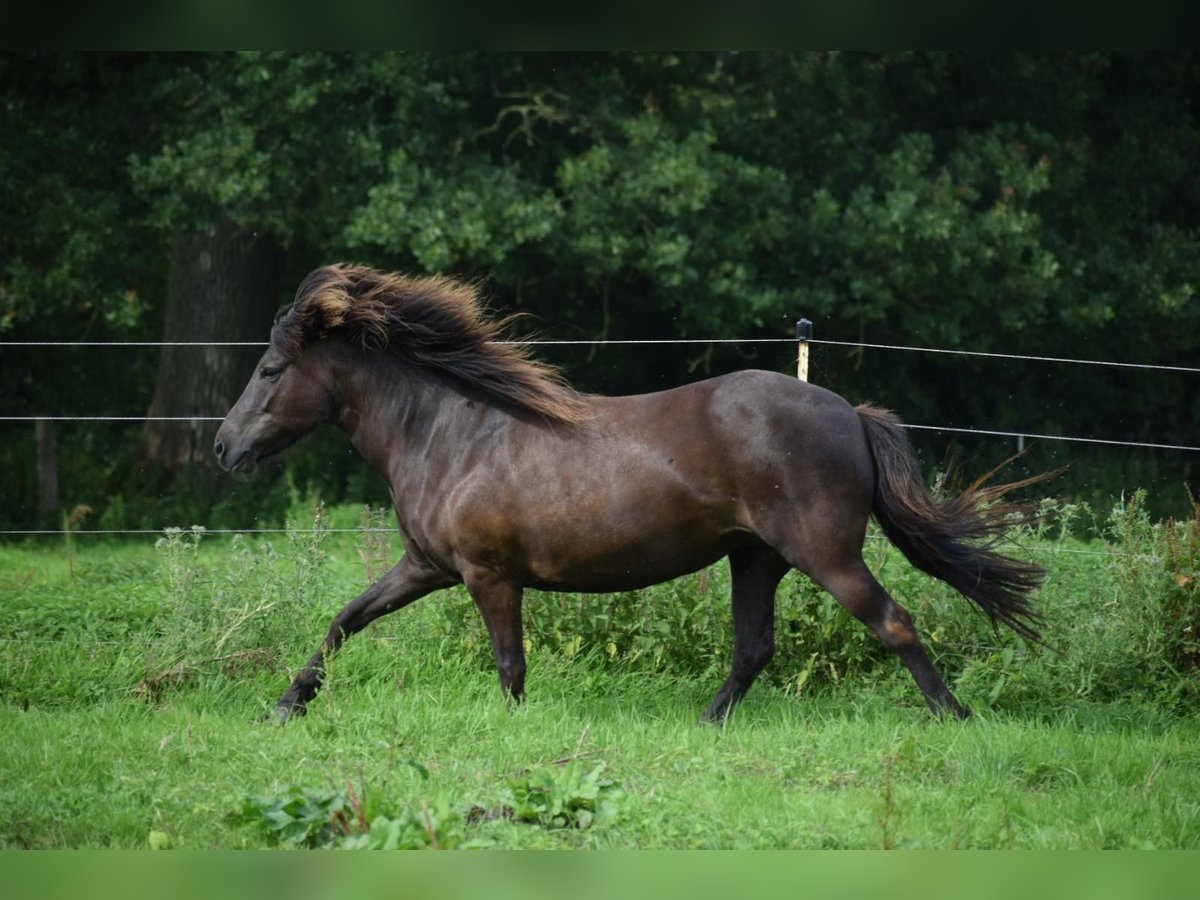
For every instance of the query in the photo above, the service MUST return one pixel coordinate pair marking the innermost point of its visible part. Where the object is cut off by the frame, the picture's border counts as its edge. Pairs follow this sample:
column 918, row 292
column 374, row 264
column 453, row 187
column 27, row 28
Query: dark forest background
column 1029, row 203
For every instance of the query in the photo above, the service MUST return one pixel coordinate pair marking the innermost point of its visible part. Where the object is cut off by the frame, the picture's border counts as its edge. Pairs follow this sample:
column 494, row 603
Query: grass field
column 133, row 676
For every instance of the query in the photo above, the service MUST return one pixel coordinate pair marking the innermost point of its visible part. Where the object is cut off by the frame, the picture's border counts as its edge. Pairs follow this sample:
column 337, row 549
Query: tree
column 261, row 153
column 1047, row 203
column 221, row 288
column 73, row 265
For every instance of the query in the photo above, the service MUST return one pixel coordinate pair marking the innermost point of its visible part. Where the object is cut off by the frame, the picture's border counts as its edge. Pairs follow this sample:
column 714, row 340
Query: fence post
column 803, row 333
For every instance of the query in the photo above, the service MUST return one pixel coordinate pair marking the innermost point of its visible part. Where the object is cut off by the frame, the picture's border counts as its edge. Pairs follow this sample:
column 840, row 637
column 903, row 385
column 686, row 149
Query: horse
column 505, row 478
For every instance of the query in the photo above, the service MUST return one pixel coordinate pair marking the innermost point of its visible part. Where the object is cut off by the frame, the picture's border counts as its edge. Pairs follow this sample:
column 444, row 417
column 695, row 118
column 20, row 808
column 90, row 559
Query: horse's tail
column 952, row 539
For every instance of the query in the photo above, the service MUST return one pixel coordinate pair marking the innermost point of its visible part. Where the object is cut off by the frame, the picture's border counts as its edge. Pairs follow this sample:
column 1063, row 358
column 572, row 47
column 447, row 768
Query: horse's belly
column 600, row 564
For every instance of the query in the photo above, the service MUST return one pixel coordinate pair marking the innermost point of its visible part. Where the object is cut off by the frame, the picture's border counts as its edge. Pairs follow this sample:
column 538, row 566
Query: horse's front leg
column 499, row 603
column 405, row 582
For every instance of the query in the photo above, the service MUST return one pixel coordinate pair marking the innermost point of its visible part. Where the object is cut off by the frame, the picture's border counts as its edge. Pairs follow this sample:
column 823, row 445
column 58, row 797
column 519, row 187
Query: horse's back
column 755, row 439
column 750, row 419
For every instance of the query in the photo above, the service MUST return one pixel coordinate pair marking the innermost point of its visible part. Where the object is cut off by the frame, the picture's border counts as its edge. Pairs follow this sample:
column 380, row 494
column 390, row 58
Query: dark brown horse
column 503, row 478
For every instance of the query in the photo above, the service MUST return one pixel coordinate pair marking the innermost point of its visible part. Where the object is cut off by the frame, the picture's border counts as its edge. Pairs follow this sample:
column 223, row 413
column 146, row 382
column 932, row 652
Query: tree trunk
column 222, row 286
column 47, row 468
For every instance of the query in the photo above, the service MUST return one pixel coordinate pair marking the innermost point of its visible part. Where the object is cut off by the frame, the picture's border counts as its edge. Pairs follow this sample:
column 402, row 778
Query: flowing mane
column 432, row 321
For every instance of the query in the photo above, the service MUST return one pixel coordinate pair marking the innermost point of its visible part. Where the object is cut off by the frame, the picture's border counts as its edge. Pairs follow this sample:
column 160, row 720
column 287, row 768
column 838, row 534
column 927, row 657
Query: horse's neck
column 394, row 411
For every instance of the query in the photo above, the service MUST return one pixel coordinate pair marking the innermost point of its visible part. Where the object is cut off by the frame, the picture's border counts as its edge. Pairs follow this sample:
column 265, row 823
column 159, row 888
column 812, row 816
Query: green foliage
column 475, row 215
column 679, row 626
column 1179, row 544
column 73, row 245
column 566, row 796
column 297, row 816
column 1121, row 623
column 682, row 187
column 315, row 819
column 573, row 795
column 437, row 827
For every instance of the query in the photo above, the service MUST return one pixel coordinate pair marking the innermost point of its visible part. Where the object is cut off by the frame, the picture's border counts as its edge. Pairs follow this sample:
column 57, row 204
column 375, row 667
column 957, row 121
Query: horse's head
column 287, row 397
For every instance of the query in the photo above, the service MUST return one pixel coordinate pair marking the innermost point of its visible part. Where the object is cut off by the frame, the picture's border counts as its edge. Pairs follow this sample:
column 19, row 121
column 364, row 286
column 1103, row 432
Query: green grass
column 130, row 693
column 786, row 772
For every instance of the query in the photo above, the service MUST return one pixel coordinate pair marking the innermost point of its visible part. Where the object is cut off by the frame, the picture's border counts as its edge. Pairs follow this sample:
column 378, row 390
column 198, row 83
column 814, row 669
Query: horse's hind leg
column 756, row 574
column 499, row 603
column 856, row 588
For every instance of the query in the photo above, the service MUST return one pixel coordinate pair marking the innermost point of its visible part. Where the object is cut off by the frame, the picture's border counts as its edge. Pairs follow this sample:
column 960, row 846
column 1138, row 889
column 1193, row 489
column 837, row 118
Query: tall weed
column 239, row 610
column 1122, row 620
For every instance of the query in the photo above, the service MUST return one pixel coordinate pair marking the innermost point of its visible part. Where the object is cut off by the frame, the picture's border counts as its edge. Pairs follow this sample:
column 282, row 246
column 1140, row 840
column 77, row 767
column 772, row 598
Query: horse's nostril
column 219, row 449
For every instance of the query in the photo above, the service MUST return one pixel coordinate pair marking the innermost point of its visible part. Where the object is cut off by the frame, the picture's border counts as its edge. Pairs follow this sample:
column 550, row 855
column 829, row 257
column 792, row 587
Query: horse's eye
column 269, row 373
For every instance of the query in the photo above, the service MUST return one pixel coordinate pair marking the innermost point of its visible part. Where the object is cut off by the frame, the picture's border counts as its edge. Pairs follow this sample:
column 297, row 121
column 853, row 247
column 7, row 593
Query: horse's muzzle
column 237, row 462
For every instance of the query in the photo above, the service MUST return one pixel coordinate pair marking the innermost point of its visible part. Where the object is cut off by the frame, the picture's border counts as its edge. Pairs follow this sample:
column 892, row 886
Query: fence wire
column 593, row 342
column 949, row 428
column 600, row 343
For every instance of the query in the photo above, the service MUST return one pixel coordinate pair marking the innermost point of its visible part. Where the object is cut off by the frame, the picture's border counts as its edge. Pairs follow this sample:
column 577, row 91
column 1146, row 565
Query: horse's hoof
column 718, row 713
column 955, row 711
column 716, row 718
column 282, row 713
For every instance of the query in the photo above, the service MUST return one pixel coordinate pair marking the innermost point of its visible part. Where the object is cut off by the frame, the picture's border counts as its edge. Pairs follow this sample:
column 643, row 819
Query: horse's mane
column 432, row 321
